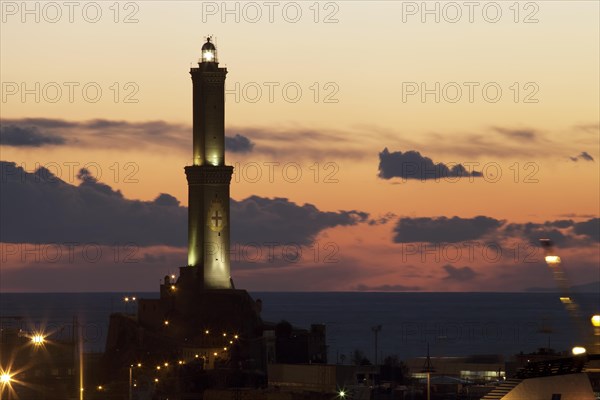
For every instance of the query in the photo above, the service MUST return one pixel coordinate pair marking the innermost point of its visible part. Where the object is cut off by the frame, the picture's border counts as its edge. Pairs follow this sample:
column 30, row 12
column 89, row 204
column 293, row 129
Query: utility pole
column 376, row 329
column 428, row 369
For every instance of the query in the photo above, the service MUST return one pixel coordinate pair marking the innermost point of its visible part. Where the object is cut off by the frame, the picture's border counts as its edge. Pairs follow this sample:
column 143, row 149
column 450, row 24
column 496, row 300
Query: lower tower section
column 208, row 224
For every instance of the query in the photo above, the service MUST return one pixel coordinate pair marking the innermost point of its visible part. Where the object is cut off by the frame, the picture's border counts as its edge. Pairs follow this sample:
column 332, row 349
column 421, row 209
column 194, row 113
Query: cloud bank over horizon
column 38, row 207
column 442, row 230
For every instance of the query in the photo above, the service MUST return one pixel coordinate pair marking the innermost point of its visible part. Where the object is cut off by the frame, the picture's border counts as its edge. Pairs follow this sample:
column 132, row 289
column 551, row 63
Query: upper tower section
column 209, row 108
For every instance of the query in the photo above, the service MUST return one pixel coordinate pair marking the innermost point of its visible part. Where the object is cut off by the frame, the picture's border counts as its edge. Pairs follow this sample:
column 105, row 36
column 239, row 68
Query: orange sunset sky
column 316, row 91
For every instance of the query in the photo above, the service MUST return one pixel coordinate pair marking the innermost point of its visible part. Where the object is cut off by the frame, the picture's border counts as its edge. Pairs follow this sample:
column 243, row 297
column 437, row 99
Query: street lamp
column 5, row 381
column 139, row 365
column 552, row 260
column 127, row 300
column 596, row 324
column 38, row 339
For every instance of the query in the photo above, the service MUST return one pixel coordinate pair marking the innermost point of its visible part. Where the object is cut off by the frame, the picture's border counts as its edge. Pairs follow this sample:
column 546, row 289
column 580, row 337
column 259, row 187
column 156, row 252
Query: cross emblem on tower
column 216, row 218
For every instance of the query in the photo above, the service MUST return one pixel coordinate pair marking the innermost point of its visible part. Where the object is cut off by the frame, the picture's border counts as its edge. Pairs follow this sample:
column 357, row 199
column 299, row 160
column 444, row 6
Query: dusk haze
column 300, row 200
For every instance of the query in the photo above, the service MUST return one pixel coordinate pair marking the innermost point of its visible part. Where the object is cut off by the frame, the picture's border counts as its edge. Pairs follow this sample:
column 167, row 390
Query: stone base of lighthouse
column 218, row 330
column 191, row 311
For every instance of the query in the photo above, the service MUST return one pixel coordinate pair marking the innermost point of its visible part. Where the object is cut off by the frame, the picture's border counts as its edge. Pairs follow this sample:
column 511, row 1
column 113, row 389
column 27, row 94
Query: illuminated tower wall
column 209, row 178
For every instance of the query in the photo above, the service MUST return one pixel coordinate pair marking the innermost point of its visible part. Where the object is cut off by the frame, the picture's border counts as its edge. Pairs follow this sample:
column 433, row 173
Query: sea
column 450, row 324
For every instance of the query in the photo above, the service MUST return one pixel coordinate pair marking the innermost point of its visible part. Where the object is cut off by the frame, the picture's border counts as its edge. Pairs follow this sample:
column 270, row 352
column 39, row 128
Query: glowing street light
column 5, row 378
column 552, row 260
column 596, row 324
column 578, row 350
column 127, row 300
column 131, row 384
column 38, row 339
column 342, row 394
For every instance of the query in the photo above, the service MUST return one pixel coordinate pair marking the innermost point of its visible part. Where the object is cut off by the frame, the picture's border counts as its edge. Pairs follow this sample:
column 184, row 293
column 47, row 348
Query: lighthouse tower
column 209, row 178
column 199, row 315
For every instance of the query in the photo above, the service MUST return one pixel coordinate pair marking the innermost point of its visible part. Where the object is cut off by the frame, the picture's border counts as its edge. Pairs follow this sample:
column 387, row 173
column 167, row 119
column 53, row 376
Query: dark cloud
column 590, row 228
column 264, row 220
column 40, row 208
column 16, row 136
column 561, row 223
column 443, row 229
column 165, row 199
column 238, row 144
column 412, row 165
column 459, row 274
column 584, row 155
column 563, row 232
column 533, row 232
column 382, row 219
column 517, row 134
column 386, row 288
